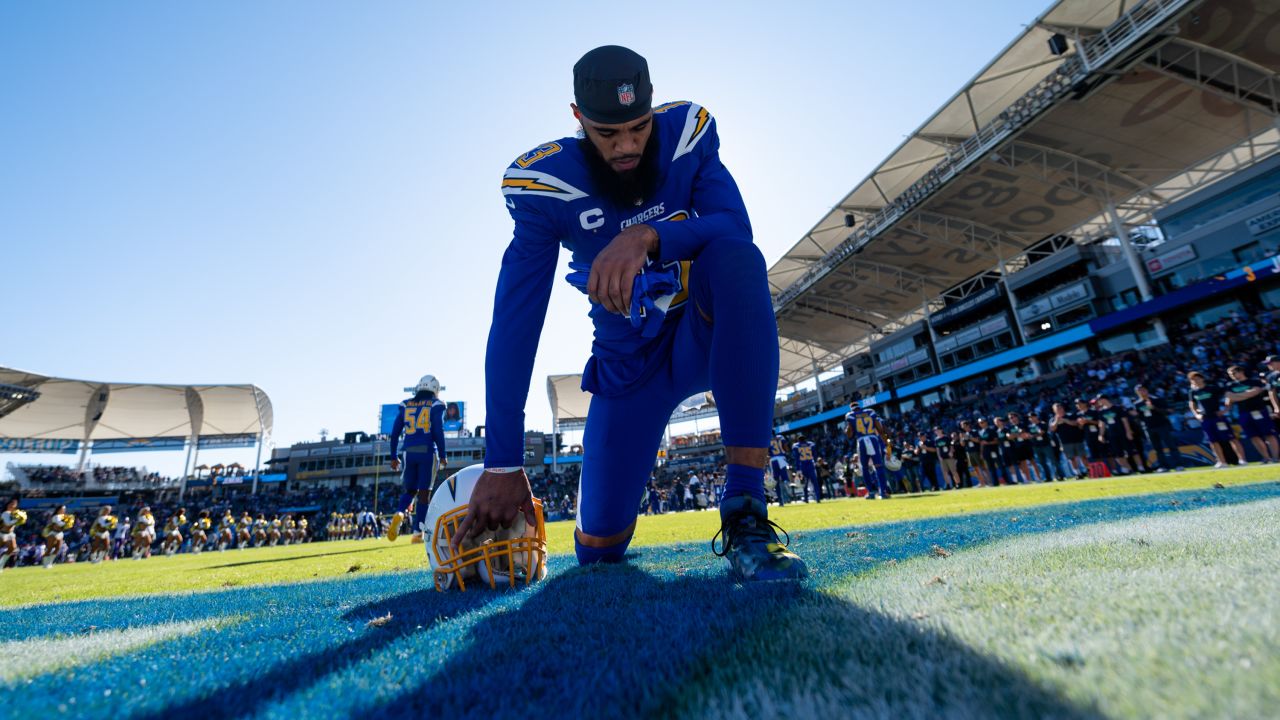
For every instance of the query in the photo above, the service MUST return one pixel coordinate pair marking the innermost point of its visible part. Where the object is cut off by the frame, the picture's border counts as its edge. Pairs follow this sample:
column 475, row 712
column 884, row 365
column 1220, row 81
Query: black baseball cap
column 1272, row 359
column 611, row 85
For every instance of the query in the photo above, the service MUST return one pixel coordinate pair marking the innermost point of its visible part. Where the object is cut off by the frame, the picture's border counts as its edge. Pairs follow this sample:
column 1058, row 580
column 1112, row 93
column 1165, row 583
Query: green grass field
column 299, row 563
column 1124, row 598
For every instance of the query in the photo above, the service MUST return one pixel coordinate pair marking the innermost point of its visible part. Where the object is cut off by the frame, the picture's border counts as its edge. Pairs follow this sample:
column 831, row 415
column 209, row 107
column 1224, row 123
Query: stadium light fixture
column 1046, row 326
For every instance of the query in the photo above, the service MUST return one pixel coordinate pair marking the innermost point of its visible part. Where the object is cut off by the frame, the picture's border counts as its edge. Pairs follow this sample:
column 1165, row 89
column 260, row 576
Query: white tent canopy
column 569, row 402
column 85, row 410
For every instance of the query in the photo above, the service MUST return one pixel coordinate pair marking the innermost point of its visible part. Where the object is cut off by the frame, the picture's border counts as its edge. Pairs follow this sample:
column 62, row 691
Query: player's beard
column 630, row 187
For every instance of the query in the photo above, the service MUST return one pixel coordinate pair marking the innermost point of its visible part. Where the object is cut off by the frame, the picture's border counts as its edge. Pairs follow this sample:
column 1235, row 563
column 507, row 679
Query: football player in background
column 865, row 428
column 663, row 247
column 10, row 519
column 778, row 469
column 805, row 461
column 59, row 522
column 144, row 533
column 421, row 420
column 100, row 535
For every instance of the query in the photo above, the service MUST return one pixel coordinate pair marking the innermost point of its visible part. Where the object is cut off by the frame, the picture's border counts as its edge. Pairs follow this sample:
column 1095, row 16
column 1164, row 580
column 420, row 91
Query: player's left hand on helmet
column 614, row 269
column 495, row 502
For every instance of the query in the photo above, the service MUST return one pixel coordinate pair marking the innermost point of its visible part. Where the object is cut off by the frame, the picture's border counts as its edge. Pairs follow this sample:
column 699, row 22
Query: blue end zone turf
column 606, row 641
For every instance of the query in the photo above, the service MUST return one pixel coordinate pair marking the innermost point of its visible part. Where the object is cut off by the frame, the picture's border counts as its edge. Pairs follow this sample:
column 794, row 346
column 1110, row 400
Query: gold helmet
column 507, row 555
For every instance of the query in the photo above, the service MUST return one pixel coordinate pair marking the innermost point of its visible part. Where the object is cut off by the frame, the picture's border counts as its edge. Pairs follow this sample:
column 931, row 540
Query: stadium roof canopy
column 66, row 409
column 1151, row 101
column 570, row 403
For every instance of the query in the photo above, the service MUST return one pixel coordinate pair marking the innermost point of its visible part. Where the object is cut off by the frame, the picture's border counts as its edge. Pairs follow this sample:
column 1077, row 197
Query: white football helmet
column 502, row 556
column 429, row 383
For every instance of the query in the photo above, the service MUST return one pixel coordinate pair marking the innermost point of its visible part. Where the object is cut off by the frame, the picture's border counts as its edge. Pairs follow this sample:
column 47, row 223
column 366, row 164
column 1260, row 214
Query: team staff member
column 989, row 438
column 1272, row 379
column 421, row 420
column 927, row 451
column 662, row 246
column 973, row 452
column 947, row 451
column 1022, row 452
column 1114, row 435
column 1250, row 399
column 1067, row 427
column 1004, row 450
column 1205, row 402
column 1154, row 417
column 1045, row 456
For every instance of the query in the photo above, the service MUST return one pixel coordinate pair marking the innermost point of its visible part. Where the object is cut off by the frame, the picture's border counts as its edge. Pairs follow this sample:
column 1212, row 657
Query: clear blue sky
column 304, row 195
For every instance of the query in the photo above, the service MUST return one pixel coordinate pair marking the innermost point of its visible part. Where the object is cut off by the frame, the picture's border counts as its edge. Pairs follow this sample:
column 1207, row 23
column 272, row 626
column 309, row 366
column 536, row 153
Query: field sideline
column 1151, row 605
column 318, row 561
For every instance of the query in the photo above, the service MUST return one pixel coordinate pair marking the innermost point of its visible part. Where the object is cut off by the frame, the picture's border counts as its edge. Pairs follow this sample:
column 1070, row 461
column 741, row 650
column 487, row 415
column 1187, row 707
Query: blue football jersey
column 777, row 448
column 804, row 452
column 551, row 195
column 422, row 424
column 864, row 422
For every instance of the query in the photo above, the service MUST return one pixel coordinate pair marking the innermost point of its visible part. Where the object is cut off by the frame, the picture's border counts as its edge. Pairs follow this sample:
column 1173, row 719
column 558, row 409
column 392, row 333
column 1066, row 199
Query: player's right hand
column 395, row 464
column 495, row 502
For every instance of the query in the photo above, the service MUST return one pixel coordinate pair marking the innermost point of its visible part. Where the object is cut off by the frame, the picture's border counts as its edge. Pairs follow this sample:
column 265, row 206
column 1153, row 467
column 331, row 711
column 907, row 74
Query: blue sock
column 405, row 499
column 591, row 555
column 744, row 480
column 419, row 515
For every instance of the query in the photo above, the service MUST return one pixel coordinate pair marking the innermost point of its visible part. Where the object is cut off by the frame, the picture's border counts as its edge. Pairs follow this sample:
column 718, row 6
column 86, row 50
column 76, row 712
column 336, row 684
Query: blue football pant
column 735, row 356
column 417, row 474
column 810, row 473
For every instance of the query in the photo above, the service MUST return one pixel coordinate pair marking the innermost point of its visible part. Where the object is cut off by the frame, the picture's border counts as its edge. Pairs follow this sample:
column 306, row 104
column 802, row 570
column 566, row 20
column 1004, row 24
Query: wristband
column 502, row 470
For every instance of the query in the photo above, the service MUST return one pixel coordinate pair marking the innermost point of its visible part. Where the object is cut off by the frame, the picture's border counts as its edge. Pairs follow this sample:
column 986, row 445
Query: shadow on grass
column 292, row 559
column 416, row 611
column 613, row 641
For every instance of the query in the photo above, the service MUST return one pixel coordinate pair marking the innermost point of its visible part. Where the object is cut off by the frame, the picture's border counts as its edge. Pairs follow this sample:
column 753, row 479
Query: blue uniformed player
column 867, row 432
column 779, row 469
column 421, row 420
column 663, row 247
column 805, row 461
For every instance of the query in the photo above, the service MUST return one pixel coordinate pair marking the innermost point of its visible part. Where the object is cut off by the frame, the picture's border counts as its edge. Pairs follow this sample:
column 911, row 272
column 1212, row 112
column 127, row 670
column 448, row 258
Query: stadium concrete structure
column 1112, row 170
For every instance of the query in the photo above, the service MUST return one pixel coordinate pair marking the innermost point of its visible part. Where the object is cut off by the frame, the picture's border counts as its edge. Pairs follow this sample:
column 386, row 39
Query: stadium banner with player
column 35, row 445
column 139, row 444
column 455, row 416
column 228, row 441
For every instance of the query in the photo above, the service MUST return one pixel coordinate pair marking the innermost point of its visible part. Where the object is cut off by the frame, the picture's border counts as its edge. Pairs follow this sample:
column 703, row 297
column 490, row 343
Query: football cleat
column 393, row 530
column 751, row 543
column 507, row 556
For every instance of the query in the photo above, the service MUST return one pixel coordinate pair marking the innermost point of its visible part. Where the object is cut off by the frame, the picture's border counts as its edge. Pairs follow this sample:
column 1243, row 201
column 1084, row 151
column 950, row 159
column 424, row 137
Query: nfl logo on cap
column 626, row 94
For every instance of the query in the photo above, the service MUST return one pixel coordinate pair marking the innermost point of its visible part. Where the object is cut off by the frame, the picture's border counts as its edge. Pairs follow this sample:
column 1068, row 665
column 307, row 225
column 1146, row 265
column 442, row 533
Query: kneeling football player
column 663, row 247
